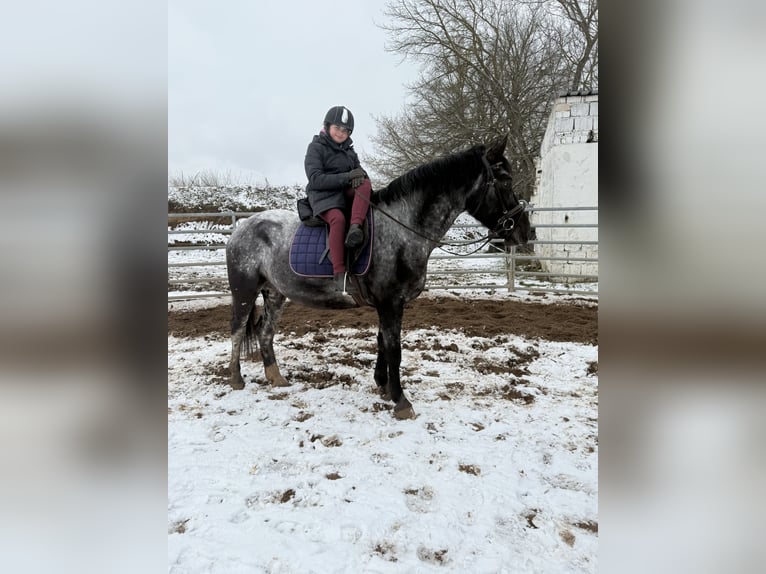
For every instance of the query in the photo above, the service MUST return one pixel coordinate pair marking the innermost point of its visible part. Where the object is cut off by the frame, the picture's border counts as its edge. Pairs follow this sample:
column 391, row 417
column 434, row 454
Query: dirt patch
column 508, row 392
column 530, row 516
column 287, row 495
column 469, row 469
column 516, row 366
column 322, row 379
column 567, row 537
column 588, row 525
column 473, row 317
column 379, row 407
column 220, row 375
column 331, row 441
column 511, row 394
column 178, row 527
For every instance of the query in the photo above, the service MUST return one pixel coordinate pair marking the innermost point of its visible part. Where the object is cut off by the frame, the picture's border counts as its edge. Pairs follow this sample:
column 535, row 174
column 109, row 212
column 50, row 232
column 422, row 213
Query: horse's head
column 500, row 209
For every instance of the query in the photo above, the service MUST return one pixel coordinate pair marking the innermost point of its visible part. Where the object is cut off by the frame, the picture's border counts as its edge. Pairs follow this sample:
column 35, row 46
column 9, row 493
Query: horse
column 411, row 215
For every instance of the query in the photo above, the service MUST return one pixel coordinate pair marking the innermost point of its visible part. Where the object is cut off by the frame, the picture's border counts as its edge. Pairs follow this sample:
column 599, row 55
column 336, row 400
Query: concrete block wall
column 568, row 177
column 574, row 119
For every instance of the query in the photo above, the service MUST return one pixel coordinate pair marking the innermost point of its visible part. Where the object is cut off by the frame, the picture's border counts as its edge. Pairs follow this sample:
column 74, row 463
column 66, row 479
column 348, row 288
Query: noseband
column 506, row 221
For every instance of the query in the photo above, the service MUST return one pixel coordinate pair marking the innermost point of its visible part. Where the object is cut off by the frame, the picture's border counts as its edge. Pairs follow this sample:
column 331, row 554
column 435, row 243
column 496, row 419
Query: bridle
column 506, row 222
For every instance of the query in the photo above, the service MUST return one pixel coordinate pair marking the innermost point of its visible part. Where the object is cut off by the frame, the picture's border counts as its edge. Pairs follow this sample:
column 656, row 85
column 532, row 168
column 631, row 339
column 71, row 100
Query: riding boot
column 355, row 236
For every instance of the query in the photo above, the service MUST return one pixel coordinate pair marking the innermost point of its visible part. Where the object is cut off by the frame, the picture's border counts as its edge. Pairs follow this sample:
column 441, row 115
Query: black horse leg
column 390, row 317
column 381, row 371
column 272, row 309
column 242, row 305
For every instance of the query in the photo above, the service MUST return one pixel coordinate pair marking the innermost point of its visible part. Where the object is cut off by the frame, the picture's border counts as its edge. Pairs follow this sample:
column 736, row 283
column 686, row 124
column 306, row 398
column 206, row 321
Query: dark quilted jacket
column 327, row 164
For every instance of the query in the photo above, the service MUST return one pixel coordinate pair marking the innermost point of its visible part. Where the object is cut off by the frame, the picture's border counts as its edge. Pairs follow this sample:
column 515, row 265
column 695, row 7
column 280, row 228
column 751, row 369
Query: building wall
column 568, row 177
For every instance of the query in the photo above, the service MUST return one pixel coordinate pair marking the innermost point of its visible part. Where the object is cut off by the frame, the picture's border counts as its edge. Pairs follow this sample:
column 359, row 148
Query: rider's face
column 338, row 134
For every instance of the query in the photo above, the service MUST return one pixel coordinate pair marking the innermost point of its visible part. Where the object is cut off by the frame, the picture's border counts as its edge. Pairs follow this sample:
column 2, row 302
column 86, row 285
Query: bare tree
column 579, row 41
column 489, row 68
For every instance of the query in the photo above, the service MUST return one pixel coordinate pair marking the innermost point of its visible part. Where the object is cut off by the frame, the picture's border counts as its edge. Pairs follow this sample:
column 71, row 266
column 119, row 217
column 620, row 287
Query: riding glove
column 356, row 177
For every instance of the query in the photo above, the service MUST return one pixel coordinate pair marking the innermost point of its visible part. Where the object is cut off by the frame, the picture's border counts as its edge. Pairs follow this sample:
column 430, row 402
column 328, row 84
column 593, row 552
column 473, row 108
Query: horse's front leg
column 390, row 317
column 381, row 371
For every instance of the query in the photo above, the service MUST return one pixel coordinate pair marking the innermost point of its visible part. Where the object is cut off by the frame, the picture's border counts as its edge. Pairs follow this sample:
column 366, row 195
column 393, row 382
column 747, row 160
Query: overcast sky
column 249, row 82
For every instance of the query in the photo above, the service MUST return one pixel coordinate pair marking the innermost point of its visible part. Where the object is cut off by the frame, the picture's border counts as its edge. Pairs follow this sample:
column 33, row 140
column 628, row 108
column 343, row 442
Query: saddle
column 310, row 250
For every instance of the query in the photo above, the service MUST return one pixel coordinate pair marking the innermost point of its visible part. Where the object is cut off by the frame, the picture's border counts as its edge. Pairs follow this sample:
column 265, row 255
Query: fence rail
column 495, row 269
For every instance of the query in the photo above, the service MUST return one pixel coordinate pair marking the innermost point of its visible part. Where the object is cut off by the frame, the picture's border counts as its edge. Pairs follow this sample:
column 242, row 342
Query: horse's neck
column 437, row 213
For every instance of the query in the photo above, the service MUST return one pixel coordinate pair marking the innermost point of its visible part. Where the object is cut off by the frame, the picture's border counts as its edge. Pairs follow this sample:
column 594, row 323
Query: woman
column 335, row 177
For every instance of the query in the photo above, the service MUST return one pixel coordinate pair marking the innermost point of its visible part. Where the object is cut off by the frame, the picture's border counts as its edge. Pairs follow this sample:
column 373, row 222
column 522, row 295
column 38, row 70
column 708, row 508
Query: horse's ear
column 497, row 149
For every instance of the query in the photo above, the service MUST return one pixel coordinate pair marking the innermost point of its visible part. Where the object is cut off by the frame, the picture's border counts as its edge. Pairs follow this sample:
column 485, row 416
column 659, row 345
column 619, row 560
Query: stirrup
column 341, row 281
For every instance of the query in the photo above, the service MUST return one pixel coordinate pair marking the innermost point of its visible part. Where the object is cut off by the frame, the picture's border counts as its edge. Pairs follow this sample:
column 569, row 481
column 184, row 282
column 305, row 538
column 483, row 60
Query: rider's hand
column 356, row 177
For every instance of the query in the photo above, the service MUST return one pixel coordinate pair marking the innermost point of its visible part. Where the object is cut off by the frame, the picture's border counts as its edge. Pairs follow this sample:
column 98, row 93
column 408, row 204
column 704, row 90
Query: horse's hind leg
column 272, row 309
column 243, row 312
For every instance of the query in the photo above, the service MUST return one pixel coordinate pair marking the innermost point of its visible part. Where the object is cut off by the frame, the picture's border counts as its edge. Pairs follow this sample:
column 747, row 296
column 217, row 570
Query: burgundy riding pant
column 337, row 222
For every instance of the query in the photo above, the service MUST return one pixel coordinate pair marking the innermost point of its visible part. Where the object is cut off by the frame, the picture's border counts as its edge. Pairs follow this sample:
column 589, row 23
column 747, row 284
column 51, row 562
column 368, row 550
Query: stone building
column 567, row 176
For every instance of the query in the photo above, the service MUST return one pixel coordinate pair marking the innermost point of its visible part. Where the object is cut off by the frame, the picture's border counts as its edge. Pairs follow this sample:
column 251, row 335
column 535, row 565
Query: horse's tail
column 250, row 341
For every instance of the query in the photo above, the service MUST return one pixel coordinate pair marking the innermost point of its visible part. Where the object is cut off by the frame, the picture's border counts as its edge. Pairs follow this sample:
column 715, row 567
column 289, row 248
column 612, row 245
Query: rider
column 336, row 176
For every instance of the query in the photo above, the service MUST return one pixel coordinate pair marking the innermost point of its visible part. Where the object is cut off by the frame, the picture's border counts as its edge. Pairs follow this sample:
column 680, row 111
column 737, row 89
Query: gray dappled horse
column 411, row 215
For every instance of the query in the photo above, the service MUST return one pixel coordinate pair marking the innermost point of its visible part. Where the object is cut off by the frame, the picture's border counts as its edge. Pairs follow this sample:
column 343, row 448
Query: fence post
column 510, row 268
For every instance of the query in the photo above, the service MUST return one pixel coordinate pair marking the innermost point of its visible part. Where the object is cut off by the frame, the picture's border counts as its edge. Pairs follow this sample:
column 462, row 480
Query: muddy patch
column 488, row 318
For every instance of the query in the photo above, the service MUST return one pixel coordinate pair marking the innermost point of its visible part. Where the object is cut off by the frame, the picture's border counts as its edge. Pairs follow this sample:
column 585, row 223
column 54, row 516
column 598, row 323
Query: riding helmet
column 339, row 116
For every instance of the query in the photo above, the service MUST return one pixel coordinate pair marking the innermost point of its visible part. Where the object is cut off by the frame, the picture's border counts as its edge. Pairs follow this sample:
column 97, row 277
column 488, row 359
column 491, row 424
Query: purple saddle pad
column 310, row 253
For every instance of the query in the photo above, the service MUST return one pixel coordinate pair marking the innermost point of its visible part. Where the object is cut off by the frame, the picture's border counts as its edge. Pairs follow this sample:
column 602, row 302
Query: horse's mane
column 437, row 175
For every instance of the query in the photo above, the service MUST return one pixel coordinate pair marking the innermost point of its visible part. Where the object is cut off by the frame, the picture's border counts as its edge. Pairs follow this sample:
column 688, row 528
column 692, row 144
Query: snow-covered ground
column 498, row 473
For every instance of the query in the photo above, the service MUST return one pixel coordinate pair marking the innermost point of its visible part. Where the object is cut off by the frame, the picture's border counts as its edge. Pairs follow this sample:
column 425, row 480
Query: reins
column 439, row 243
column 502, row 224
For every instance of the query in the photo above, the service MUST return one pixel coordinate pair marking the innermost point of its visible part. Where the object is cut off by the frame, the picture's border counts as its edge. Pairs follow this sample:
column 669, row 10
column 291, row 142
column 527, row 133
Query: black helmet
column 339, row 116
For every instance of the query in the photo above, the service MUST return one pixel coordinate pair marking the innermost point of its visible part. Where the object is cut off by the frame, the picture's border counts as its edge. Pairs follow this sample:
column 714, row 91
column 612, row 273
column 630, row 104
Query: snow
column 498, row 472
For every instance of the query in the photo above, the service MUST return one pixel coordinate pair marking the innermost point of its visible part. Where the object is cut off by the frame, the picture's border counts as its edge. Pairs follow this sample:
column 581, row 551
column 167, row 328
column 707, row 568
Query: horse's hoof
column 384, row 394
column 237, row 384
column 403, row 410
column 275, row 378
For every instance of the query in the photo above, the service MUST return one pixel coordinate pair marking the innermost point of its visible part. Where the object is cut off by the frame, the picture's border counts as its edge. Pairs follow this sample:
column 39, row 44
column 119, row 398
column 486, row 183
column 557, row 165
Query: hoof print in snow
column 385, row 550
column 438, row 557
column 420, row 499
